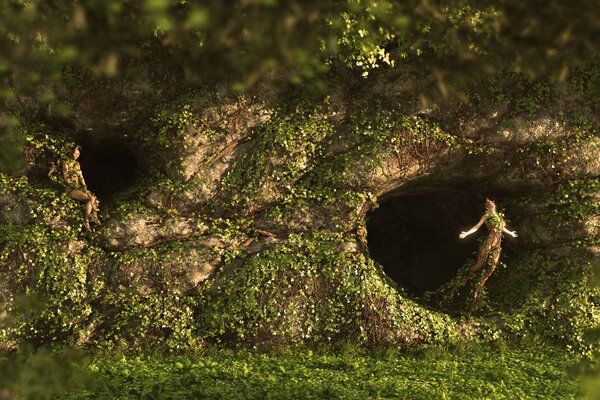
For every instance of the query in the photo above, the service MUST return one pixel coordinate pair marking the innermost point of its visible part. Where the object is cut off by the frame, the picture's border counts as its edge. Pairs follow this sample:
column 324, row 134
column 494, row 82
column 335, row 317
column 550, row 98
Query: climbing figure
column 489, row 251
column 76, row 187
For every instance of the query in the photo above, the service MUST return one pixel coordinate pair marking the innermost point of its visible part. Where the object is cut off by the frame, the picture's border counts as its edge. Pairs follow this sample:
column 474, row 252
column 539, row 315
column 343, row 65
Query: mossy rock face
column 247, row 224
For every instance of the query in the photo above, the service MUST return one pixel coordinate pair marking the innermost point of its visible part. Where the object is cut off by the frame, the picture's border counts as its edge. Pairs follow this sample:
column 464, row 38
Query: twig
column 265, row 233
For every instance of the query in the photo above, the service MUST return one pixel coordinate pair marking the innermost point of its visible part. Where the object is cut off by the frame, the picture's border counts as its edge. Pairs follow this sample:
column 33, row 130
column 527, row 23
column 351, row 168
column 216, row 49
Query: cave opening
column 109, row 167
column 415, row 237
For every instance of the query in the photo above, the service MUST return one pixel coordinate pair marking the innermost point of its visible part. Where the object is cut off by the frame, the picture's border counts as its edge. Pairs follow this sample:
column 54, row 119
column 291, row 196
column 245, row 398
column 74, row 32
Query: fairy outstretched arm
column 473, row 229
column 511, row 233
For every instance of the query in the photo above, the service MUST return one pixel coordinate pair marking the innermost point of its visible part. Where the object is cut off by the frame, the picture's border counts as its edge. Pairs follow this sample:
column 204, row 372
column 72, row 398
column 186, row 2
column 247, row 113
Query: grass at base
column 430, row 373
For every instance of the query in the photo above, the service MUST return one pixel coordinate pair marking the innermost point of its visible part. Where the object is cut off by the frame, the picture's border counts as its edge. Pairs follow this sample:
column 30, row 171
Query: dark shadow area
column 415, row 237
column 108, row 167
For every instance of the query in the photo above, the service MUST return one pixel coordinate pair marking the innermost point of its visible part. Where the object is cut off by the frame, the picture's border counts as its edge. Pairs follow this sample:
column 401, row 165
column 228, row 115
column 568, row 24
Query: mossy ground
column 474, row 371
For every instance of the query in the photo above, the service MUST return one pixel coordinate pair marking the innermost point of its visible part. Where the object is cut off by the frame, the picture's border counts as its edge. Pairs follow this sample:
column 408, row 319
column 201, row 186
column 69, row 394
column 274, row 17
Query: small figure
column 490, row 249
column 76, row 187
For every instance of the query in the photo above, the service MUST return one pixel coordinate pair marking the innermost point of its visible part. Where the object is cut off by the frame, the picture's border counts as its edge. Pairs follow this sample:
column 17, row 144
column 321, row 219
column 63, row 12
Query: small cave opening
column 108, row 167
column 415, row 237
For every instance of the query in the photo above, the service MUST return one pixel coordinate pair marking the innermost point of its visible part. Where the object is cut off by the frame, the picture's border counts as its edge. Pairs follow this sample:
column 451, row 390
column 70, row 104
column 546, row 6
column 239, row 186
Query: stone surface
column 145, row 231
column 13, row 210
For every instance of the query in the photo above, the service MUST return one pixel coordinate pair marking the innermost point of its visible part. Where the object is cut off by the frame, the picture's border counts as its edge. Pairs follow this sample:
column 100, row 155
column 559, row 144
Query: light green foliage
column 583, row 86
column 127, row 210
column 303, row 289
column 49, row 207
column 286, row 147
column 574, row 200
column 344, row 207
column 51, row 288
column 146, row 302
column 49, row 46
column 547, row 297
column 169, row 128
column 554, row 156
column 518, row 94
column 307, row 290
column 167, row 134
column 66, row 297
column 372, row 134
column 170, row 136
column 363, row 48
column 105, row 300
column 433, row 372
column 51, row 293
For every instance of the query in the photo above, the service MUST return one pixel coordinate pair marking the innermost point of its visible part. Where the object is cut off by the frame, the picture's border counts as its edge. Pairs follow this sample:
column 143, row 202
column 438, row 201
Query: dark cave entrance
column 108, row 167
column 415, row 237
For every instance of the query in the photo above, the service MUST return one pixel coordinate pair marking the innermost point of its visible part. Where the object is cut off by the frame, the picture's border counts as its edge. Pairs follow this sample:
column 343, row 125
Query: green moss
column 169, row 126
column 286, row 147
column 574, row 200
column 52, row 292
column 518, row 93
column 166, row 136
column 340, row 209
column 433, row 372
column 370, row 134
column 45, row 204
column 307, row 290
column 548, row 297
column 583, row 88
column 162, row 320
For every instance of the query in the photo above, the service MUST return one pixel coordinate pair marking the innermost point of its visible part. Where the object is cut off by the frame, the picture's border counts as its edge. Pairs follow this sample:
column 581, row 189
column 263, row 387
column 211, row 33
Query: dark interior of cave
column 108, row 167
column 415, row 237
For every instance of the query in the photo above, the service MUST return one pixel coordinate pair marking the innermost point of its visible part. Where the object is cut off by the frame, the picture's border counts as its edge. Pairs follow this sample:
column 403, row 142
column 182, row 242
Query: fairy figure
column 76, row 187
column 489, row 250
column 469, row 282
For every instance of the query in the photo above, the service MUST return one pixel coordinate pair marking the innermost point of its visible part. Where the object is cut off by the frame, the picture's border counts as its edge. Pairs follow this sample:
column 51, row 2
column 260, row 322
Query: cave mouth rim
column 467, row 205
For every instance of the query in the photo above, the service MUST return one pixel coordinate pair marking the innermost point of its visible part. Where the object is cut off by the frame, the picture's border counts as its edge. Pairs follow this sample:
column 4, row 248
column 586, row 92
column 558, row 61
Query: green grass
column 535, row 372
